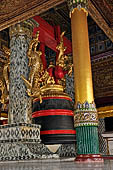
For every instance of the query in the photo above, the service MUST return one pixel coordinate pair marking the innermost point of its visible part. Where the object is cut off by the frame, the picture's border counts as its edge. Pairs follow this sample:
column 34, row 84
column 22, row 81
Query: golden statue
column 36, row 69
column 35, row 62
column 41, row 80
column 2, row 89
column 6, row 67
column 63, row 65
column 4, row 82
column 47, row 79
column 60, row 47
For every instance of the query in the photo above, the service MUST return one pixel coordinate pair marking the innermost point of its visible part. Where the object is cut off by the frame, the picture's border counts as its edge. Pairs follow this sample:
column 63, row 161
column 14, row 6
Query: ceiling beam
column 47, row 35
column 13, row 11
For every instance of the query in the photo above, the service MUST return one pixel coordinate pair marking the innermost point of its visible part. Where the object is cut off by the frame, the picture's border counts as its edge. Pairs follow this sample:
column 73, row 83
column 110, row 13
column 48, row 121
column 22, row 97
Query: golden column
column 86, row 121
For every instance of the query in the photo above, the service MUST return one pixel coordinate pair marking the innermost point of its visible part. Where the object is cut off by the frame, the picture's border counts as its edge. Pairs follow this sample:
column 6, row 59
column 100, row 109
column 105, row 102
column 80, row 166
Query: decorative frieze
column 20, row 132
column 85, row 114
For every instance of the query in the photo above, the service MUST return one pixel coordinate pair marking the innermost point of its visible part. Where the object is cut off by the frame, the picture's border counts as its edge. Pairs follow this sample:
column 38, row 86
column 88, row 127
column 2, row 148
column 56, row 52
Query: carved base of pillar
column 24, row 151
column 85, row 158
column 29, row 151
column 22, row 142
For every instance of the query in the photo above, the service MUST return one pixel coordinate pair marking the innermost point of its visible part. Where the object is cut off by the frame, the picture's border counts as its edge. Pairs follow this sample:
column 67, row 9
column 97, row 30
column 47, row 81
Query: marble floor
column 55, row 165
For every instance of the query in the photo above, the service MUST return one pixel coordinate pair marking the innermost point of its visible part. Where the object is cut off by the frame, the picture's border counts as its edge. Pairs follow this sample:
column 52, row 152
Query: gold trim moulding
column 81, row 9
column 53, row 91
column 54, row 95
column 52, row 88
column 106, row 111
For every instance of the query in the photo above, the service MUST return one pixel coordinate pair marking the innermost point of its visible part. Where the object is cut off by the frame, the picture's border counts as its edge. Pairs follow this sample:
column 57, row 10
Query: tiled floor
column 56, row 165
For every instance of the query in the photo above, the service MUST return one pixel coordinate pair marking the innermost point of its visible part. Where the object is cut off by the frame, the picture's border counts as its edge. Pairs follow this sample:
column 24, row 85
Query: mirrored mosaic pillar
column 20, row 105
column 102, row 141
column 86, row 121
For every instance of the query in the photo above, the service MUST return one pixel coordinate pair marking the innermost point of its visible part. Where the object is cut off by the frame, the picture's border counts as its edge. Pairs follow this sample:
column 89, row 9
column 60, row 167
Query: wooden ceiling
column 105, row 7
column 102, row 13
column 14, row 11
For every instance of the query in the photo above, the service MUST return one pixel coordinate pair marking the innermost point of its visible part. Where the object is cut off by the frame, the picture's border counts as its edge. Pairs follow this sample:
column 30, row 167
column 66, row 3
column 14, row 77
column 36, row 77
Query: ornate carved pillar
column 19, row 102
column 86, row 121
column 20, row 135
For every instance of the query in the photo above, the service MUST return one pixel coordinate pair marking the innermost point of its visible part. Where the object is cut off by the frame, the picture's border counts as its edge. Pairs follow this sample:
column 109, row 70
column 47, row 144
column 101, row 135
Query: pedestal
column 15, row 140
column 21, row 141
